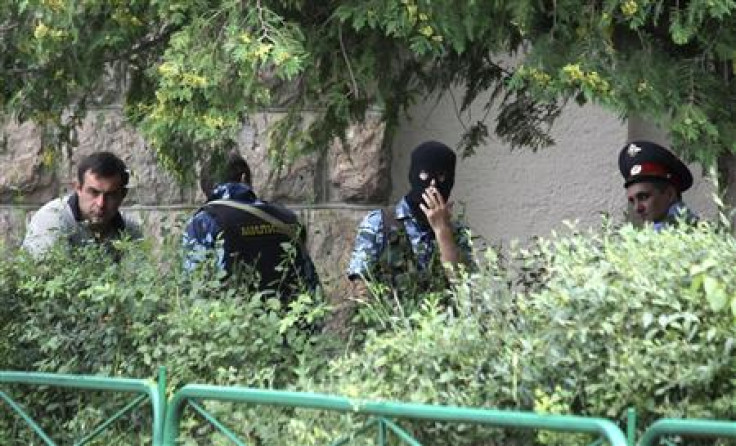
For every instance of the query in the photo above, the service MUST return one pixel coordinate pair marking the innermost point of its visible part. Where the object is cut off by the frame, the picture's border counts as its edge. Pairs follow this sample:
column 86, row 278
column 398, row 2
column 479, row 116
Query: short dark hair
column 233, row 169
column 104, row 164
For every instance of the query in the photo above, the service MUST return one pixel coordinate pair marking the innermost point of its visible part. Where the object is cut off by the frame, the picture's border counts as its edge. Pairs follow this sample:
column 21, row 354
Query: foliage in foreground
column 92, row 316
column 588, row 323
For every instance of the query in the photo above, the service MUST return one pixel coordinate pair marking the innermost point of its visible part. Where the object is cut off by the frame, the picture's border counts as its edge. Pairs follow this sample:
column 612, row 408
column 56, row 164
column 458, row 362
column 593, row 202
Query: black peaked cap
column 648, row 161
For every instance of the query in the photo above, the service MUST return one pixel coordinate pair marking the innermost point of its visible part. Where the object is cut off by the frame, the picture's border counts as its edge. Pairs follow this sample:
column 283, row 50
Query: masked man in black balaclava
column 413, row 246
column 432, row 175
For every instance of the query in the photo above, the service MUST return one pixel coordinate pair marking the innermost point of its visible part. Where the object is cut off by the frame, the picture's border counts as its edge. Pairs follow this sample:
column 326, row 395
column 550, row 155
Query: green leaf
column 715, row 293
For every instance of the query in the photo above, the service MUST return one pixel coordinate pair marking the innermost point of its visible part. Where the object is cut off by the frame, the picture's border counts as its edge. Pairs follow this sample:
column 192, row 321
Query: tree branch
column 139, row 47
column 146, row 43
column 355, row 90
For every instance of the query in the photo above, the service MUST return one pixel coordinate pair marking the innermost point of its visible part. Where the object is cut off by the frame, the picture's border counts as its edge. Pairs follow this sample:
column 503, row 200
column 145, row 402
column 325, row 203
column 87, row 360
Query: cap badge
column 636, row 170
column 633, row 150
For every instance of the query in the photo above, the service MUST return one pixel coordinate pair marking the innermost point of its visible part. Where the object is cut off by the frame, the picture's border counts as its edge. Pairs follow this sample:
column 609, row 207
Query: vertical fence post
column 162, row 386
column 381, row 432
column 631, row 426
column 158, row 434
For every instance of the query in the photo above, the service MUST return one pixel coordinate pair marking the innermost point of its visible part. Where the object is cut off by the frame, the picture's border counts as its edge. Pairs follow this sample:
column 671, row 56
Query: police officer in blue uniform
column 248, row 235
column 655, row 179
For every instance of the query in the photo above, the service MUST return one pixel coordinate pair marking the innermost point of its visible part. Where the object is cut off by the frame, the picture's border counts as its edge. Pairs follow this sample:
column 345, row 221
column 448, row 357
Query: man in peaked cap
column 655, row 179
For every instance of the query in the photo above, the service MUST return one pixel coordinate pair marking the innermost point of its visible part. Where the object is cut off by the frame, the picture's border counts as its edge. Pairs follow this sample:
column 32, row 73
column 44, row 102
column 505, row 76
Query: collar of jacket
column 233, row 191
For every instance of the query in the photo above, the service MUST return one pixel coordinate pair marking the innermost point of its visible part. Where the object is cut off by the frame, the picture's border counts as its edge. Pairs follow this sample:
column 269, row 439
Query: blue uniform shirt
column 677, row 211
column 202, row 233
column 370, row 240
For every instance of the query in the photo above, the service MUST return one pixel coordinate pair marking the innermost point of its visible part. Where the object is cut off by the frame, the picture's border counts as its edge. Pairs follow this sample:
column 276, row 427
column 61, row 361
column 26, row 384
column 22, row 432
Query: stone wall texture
column 331, row 191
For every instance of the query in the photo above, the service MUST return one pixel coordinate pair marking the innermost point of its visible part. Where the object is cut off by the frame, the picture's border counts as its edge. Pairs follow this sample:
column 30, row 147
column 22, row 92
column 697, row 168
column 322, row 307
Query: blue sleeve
column 368, row 245
column 200, row 240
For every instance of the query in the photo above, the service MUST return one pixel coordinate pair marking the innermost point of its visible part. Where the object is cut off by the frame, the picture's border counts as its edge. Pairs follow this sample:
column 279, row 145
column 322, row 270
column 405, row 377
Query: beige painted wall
column 518, row 194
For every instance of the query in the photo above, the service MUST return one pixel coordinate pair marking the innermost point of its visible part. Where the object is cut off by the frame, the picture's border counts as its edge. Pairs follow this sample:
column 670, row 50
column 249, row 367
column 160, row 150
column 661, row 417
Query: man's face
column 651, row 202
column 100, row 197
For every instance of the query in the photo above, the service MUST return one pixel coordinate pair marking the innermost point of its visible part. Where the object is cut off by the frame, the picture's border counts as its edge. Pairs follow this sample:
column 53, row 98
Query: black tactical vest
column 263, row 240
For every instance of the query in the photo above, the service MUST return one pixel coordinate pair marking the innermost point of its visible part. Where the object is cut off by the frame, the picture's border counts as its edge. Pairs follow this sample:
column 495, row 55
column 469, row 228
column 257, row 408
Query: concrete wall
column 331, row 190
column 519, row 194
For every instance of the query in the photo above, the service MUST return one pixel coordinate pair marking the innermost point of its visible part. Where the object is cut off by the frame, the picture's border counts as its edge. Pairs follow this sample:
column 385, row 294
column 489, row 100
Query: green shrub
column 643, row 319
column 82, row 313
column 586, row 323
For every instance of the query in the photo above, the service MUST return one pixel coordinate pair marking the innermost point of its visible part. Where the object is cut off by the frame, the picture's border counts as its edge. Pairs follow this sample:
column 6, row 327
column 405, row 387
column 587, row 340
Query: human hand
column 437, row 210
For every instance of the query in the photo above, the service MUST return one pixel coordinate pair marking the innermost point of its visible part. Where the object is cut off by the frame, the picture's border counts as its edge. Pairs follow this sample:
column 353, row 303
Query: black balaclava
column 434, row 158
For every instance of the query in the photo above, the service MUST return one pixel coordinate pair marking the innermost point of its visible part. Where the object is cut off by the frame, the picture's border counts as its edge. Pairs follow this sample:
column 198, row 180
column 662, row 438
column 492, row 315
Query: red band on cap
column 650, row 169
column 653, row 169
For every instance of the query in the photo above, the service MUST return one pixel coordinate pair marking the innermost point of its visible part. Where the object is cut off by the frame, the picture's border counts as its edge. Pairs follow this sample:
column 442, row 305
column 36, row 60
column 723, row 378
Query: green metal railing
column 146, row 389
column 381, row 414
column 689, row 428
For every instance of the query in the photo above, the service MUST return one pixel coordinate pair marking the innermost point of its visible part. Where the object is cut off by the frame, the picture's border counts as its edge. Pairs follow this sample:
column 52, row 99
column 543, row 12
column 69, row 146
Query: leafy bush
column 635, row 318
column 82, row 313
column 586, row 323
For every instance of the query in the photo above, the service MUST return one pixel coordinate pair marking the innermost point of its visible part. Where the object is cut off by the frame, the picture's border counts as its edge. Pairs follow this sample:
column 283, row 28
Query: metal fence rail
column 146, row 389
column 381, row 417
column 689, row 428
column 381, row 413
